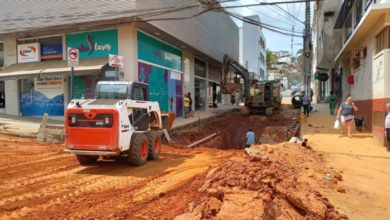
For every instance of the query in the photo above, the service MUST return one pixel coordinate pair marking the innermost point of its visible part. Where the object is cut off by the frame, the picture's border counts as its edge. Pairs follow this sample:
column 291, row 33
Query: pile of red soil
column 265, row 185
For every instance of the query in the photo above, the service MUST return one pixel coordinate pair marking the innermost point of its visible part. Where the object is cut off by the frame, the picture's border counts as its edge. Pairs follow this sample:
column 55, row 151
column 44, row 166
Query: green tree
column 271, row 59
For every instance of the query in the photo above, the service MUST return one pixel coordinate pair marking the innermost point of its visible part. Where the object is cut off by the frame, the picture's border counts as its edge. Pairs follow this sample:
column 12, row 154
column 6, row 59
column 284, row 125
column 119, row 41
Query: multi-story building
column 253, row 48
column 362, row 62
column 326, row 44
column 161, row 46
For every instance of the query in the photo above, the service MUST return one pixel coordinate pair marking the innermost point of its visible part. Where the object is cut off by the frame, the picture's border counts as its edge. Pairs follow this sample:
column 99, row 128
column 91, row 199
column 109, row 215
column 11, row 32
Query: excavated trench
column 232, row 128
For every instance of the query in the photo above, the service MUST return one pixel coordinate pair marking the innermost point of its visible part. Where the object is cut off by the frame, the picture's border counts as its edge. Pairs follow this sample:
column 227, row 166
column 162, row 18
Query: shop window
column 1, row 54
column 382, row 41
column 200, row 68
column 2, row 95
column 200, row 94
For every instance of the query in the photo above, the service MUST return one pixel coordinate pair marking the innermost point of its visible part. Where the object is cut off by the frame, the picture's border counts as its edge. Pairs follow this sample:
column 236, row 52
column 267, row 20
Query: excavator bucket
column 167, row 119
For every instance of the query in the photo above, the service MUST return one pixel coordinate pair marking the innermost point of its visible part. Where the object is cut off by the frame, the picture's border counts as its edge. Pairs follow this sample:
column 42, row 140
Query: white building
column 356, row 55
column 174, row 56
column 253, row 48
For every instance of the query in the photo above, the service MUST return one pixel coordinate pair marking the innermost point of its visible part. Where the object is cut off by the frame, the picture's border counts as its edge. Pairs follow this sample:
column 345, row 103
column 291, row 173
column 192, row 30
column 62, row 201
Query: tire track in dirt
column 61, row 187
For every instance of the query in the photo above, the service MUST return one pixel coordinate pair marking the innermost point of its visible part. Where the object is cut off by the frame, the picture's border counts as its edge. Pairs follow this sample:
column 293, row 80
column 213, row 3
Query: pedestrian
column 332, row 99
column 387, row 126
column 250, row 138
column 306, row 105
column 190, row 108
column 345, row 113
column 186, row 106
column 311, row 94
column 237, row 97
column 171, row 101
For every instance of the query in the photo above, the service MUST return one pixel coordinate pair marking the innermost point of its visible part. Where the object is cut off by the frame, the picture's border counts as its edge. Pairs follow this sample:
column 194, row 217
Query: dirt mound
column 232, row 129
column 265, row 185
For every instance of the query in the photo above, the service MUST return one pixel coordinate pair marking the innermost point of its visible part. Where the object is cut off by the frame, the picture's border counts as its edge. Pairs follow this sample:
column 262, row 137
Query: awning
column 57, row 67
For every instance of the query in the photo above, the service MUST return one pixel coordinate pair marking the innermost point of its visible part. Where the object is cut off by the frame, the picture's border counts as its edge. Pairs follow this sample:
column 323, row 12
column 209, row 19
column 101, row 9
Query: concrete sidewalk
column 363, row 161
column 28, row 126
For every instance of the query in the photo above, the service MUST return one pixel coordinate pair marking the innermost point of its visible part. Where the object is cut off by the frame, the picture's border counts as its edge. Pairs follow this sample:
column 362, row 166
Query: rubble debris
column 263, row 185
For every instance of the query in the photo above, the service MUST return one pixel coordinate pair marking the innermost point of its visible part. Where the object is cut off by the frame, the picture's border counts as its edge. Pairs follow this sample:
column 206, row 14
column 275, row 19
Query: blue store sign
column 94, row 44
column 51, row 51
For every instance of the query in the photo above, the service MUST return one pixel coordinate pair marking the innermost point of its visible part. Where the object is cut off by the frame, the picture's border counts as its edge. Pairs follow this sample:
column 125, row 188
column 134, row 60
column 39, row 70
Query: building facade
column 173, row 56
column 253, row 48
column 361, row 63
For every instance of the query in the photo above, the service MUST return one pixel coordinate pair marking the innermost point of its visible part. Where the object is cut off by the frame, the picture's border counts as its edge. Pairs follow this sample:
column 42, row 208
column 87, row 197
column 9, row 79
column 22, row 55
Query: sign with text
column 115, row 61
column 28, row 53
column 51, row 51
column 95, row 43
column 73, row 57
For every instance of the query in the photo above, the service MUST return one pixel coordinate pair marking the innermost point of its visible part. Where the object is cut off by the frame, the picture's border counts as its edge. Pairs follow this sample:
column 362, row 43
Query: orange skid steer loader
column 119, row 122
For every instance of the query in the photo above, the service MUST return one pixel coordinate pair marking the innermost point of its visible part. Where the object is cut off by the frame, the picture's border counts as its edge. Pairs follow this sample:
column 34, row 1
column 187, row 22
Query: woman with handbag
column 345, row 113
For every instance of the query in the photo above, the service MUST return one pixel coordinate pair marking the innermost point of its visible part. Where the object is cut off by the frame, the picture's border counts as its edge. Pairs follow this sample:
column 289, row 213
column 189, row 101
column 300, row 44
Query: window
column 382, row 40
column 358, row 11
column 2, row 94
column 112, row 91
column 1, row 54
column 200, row 68
column 348, row 27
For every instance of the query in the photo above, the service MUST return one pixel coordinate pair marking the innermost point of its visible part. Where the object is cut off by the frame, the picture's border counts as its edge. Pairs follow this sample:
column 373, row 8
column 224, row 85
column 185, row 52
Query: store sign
column 49, row 83
column 94, row 44
column 115, row 61
column 28, row 53
column 51, row 51
column 157, row 52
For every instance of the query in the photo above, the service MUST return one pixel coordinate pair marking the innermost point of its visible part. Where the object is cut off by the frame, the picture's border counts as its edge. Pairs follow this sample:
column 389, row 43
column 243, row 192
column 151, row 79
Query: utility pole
column 307, row 51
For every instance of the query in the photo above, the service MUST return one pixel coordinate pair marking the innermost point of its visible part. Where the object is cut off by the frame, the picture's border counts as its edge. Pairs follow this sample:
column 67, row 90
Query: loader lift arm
column 238, row 69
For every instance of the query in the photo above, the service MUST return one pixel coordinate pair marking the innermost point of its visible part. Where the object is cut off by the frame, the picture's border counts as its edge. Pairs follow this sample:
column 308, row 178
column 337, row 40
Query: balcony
column 355, row 26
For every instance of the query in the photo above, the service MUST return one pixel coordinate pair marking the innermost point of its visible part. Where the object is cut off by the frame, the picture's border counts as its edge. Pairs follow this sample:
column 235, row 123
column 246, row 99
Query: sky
column 277, row 17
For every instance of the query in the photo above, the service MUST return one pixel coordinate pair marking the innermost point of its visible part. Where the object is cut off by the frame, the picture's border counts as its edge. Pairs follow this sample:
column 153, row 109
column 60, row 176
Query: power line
column 265, row 26
column 263, row 14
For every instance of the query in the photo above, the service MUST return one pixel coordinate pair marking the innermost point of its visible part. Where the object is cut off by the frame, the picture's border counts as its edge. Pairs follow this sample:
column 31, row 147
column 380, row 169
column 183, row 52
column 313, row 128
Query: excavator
column 259, row 96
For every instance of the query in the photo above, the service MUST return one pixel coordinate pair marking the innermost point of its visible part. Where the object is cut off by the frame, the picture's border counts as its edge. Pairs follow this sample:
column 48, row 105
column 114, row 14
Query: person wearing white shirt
column 387, row 126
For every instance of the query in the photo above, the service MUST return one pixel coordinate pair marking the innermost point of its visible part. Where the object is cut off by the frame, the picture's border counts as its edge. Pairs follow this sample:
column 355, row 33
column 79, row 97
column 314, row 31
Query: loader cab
column 122, row 90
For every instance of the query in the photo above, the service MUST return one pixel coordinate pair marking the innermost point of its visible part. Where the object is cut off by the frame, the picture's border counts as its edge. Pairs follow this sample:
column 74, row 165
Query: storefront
column 41, row 94
column 160, row 65
column 92, row 45
column 2, row 88
column 200, row 85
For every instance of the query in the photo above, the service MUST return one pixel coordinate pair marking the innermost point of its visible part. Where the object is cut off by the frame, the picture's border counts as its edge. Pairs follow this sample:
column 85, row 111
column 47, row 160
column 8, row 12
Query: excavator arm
column 231, row 64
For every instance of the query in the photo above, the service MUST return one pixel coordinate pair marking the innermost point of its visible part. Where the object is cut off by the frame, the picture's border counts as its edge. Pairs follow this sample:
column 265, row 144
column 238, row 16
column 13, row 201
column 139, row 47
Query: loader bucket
column 167, row 119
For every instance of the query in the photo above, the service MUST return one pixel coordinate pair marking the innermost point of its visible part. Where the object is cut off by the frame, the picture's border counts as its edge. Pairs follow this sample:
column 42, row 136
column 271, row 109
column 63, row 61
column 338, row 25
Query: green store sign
column 94, row 44
column 157, row 52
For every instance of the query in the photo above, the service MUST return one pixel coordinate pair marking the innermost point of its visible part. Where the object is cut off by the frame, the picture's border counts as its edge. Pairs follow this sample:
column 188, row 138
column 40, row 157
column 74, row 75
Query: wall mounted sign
column 94, row 44
column 28, row 53
column 51, row 51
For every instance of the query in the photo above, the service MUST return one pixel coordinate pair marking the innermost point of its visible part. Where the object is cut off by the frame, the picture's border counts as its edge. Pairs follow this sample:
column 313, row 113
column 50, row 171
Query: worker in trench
column 250, row 138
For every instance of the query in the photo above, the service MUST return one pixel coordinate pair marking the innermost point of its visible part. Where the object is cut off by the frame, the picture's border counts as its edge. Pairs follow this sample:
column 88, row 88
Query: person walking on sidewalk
column 237, row 97
column 190, row 107
column 346, row 111
column 306, row 104
column 186, row 106
column 387, row 126
column 332, row 99
column 250, row 138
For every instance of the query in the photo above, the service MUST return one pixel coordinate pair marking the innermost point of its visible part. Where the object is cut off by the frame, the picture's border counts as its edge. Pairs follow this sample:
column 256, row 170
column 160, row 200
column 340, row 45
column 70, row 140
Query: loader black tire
column 86, row 160
column 154, row 140
column 139, row 150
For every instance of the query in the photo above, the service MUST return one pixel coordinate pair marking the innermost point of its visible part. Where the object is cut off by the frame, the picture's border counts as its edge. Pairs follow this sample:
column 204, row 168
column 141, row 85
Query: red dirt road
column 40, row 181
